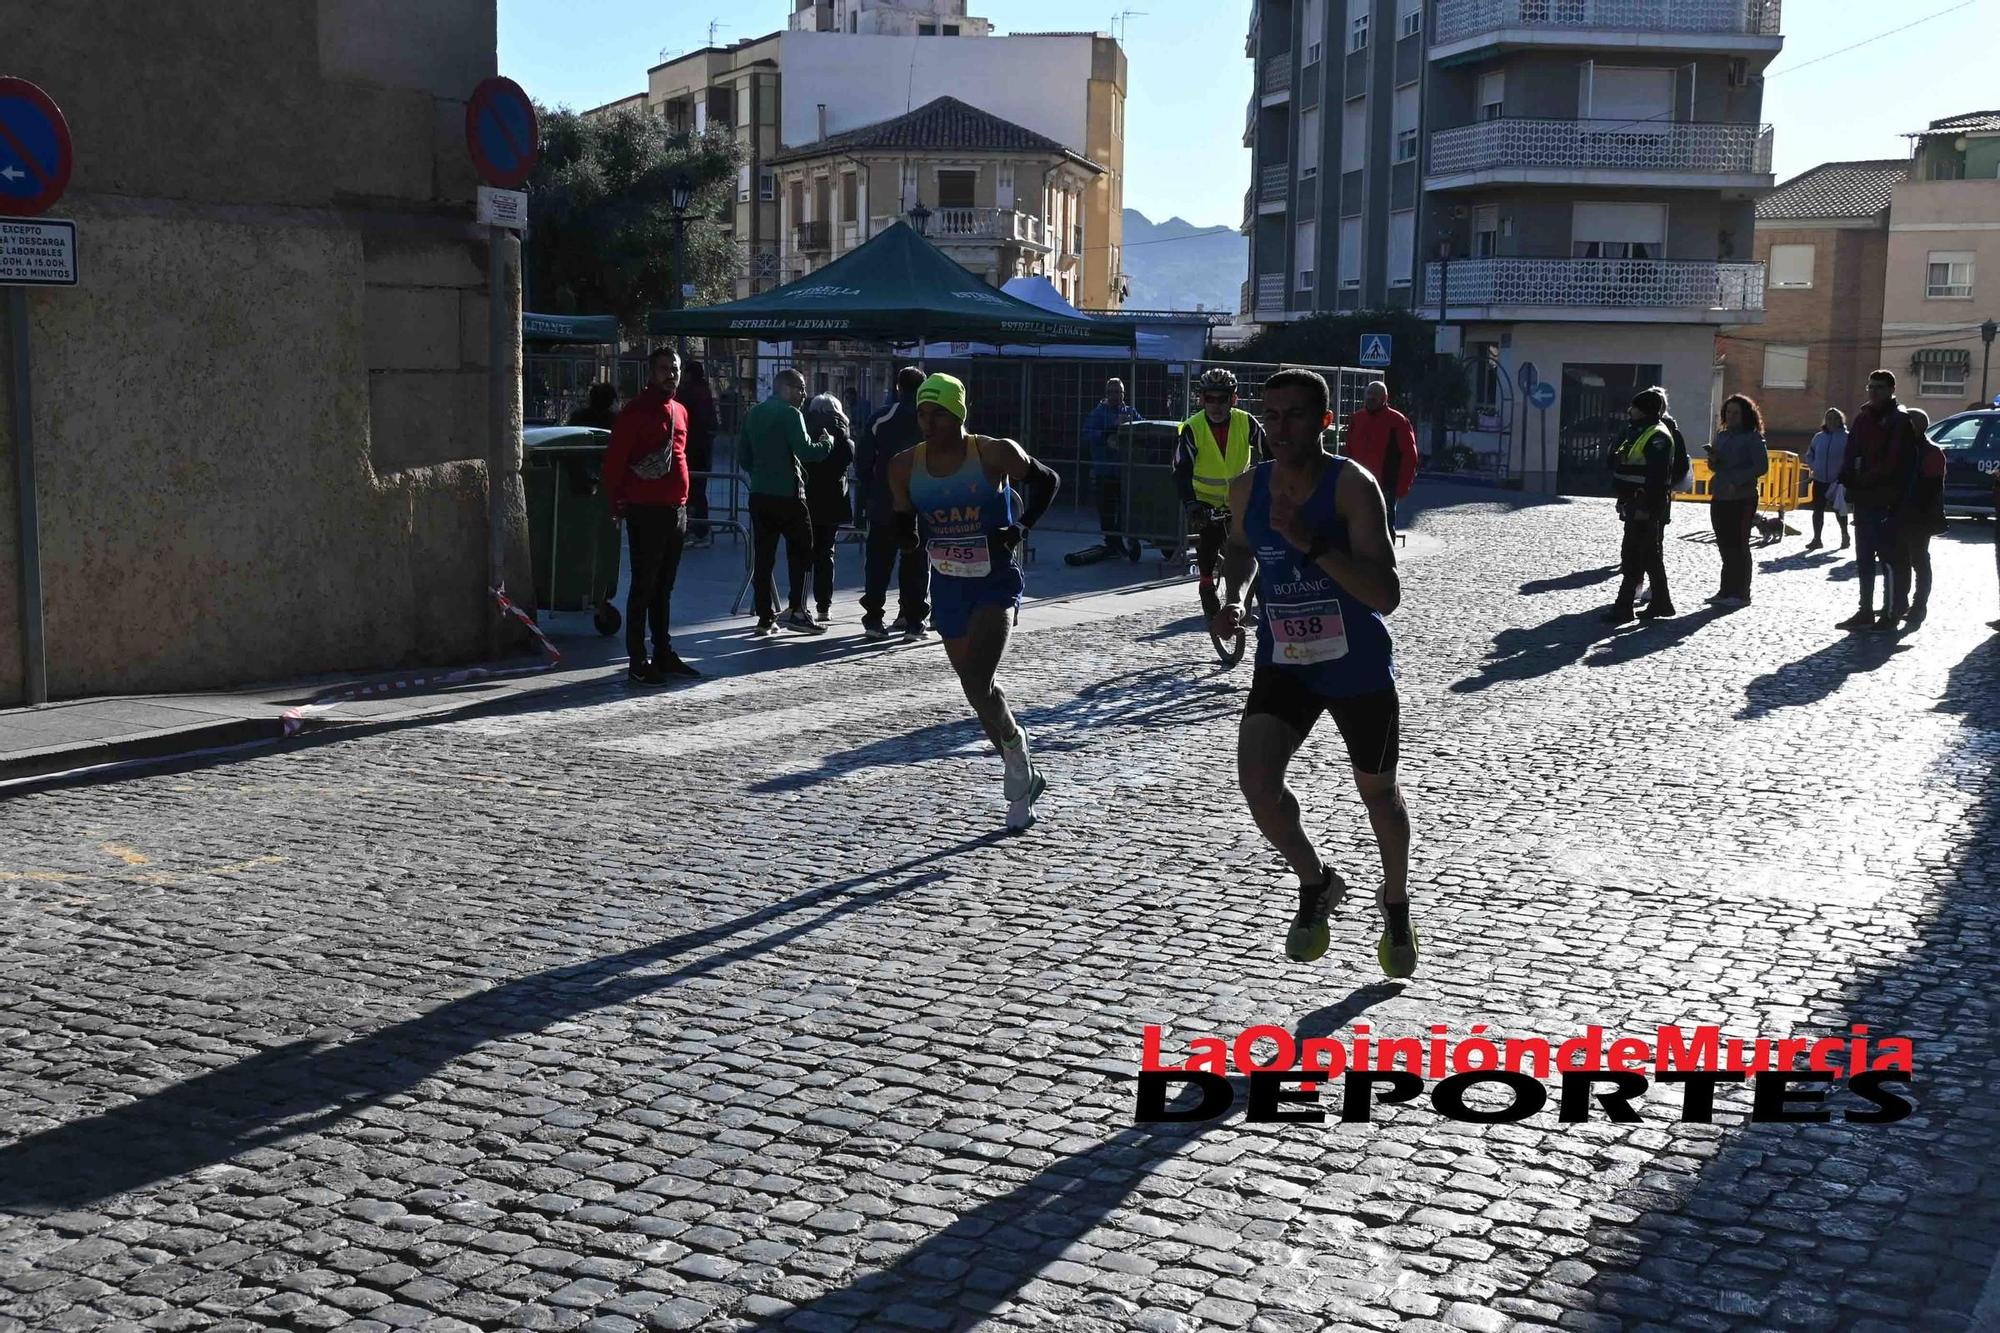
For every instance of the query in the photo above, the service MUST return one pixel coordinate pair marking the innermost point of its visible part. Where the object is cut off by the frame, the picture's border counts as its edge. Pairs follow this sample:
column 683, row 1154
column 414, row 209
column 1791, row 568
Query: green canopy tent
column 897, row 287
column 569, row 330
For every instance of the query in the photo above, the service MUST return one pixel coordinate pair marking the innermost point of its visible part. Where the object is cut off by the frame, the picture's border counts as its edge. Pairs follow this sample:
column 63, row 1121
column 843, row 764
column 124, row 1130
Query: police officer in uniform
column 1644, row 463
column 1218, row 444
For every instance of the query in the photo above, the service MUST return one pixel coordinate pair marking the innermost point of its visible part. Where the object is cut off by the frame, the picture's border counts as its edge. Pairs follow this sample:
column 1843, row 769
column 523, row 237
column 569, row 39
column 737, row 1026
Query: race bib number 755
column 966, row 558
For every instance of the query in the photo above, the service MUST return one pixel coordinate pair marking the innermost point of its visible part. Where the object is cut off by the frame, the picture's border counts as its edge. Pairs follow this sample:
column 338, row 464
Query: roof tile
column 1835, row 190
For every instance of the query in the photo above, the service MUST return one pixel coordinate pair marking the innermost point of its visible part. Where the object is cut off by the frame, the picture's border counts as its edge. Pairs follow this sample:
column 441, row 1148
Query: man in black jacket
column 1644, row 463
column 882, row 439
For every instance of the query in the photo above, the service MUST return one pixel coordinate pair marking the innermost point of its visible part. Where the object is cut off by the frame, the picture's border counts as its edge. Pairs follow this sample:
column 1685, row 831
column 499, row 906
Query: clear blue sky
column 1189, row 80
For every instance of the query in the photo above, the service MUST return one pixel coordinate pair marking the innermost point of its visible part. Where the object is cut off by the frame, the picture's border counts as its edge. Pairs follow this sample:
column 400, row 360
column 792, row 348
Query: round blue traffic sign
column 1543, row 395
column 35, row 154
column 502, row 133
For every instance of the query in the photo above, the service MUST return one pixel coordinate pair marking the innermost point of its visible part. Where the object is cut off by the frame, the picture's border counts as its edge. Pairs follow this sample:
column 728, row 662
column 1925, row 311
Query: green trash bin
column 572, row 539
column 1152, row 512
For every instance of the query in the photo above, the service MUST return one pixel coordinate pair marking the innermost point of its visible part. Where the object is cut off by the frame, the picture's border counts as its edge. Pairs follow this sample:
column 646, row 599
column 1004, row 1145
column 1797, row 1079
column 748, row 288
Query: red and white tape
column 296, row 718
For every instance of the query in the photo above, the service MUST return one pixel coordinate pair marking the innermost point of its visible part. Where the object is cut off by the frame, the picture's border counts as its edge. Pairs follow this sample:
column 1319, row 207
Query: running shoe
column 825, row 616
column 803, row 622
column 644, row 673
column 916, row 632
column 1658, row 611
column 1021, row 809
column 1859, row 620
column 873, row 628
column 765, row 629
column 1396, row 951
column 1306, row 941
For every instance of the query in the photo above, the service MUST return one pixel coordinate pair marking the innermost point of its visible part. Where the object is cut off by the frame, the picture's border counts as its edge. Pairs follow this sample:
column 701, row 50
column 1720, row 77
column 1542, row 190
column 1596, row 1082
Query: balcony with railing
column 980, row 226
column 1556, row 151
column 1667, row 290
column 1517, row 21
column 1272, row 182
column 810, row 238
column 1277, row 76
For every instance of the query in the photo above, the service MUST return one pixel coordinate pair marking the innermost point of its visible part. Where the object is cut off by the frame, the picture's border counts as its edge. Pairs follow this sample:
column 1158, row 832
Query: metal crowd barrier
column 1786, row 486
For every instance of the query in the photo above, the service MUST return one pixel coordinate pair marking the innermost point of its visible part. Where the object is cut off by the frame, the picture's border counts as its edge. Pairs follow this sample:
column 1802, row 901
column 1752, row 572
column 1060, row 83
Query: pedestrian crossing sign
column 1375, row 349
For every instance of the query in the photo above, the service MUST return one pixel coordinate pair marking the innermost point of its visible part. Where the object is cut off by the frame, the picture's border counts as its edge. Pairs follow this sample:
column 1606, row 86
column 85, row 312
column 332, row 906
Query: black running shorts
column 1371, row 724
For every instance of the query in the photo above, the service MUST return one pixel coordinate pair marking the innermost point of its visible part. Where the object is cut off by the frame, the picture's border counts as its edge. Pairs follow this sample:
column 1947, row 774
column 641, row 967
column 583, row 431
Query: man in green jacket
column 774, row 444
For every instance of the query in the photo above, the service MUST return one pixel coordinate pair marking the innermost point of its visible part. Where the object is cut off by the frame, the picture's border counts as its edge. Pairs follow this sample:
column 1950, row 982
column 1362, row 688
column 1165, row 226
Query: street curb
column 103, row 758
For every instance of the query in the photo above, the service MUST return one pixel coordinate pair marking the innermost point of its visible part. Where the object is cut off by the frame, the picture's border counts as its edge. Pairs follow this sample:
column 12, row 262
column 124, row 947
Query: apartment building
column 1568, row 185
column 1823, row 238
column 1002, row 200
column 845, row 65
column 1943, row 277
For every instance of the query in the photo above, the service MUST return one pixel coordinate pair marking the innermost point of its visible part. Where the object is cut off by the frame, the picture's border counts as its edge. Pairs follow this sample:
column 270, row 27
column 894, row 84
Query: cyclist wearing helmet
column 1218, row 444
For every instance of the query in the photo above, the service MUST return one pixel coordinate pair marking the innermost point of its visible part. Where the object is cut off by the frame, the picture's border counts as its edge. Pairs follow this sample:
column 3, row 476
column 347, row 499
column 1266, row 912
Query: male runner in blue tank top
column 1313, row 528
column 953, row 500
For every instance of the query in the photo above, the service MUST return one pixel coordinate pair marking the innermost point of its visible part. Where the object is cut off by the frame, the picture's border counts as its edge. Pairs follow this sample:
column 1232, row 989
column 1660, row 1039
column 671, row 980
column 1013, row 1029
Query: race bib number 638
column 1306, row 632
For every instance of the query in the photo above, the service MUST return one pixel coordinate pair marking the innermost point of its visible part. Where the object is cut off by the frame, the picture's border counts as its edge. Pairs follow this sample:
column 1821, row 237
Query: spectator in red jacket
column 1879, row 472
column 646, row 476
column 1380, row 439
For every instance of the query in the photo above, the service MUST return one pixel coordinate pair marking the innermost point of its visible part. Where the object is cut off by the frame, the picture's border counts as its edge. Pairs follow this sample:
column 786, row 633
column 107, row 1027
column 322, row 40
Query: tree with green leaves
column 601, row 221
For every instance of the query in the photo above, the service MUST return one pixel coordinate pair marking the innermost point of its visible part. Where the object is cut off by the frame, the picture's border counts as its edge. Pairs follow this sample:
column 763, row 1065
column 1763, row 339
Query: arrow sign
column 502, row 133
column 1375, row 349
column 35, row 154
column 1543, row 395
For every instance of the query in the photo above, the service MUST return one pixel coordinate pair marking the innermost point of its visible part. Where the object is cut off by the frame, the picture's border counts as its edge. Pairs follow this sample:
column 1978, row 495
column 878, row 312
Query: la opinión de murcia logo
column 1510, row 1075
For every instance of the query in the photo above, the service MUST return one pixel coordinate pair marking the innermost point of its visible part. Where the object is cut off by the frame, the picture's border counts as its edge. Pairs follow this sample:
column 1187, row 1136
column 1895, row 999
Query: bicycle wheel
column 1230, row 650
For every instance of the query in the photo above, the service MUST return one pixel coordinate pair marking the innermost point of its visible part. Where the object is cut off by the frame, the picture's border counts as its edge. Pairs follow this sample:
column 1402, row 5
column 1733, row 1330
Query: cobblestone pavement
column 727, row 1008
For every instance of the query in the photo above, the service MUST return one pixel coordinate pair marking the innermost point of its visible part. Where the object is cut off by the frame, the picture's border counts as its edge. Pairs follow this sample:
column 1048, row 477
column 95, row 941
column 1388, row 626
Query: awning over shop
column 569, row 328
column 900, row 288
column 1948, row 358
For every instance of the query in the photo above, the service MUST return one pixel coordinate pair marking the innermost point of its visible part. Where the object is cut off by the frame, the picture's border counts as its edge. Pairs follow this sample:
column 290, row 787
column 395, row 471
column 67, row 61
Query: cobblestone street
column 730, row 1007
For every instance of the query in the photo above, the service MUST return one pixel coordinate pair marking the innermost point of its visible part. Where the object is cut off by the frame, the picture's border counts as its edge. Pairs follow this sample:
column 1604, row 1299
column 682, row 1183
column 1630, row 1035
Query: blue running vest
column 1337, row 645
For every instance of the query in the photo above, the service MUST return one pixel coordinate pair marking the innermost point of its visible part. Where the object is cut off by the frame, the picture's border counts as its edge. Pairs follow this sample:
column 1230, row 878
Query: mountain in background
column 1176, row 265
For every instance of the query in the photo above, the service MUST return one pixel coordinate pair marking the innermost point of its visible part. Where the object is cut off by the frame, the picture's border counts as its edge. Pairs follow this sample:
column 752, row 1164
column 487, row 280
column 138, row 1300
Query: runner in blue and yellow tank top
column 954, row 500
column 1313, row 529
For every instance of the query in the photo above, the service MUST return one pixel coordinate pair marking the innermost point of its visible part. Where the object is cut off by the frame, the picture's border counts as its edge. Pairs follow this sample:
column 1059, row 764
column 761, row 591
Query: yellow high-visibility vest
column 1214, row 466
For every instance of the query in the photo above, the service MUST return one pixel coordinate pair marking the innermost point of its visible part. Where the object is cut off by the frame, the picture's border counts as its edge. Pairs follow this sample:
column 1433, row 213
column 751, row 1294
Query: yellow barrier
column 1785, row 487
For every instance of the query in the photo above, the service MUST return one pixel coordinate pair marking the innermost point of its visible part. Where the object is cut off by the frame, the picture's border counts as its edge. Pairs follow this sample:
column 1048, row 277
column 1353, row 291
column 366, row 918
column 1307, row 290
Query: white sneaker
column 1021, row 809
column 1020, row 770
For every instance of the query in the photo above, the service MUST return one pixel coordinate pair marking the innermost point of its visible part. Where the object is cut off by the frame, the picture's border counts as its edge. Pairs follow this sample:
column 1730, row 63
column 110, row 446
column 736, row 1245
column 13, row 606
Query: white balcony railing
column 1277, row 74
column 1613, row 145
column 1652, row 284
column 1272, row 182
column 1458, row 19
column 1270, row 291
column 1004, row 225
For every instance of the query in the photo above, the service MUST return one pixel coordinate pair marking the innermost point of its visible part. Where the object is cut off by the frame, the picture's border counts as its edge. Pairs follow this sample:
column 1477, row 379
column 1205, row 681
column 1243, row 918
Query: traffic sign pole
column 34, row 656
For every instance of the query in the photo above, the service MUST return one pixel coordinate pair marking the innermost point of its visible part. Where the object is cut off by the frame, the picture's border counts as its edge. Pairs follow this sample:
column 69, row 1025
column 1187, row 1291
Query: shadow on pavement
column 304, row 1086
column 962, row 1274
column 1818, row 674
column 1823, row 1226
column 1651, row 636
column 1583, row 578
column 1171, row 696
column 1802, row 560
column 1525, row 653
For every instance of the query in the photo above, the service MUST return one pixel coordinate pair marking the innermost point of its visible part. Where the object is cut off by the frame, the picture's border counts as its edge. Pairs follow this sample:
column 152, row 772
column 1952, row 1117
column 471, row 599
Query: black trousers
column 1208, row 547
column 773, row 517
column 1643, row 556
column 825, row 527
column 656, row 534
column 701, row 458
column 1822, row 501
column 885, row 556
column 1732, row 538
column 1878, row 539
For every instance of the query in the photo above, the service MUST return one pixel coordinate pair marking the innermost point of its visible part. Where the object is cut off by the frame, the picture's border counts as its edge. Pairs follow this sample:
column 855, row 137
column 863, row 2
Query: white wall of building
column 1042, row 83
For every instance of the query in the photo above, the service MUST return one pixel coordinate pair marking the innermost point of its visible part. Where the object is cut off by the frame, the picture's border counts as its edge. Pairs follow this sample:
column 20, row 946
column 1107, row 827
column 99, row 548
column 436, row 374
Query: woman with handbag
column 1823, row 458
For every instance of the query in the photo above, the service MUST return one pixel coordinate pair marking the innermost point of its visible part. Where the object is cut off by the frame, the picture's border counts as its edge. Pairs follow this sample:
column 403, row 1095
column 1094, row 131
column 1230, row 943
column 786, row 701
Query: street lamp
column 680, row 194
column 1986, row 332
column 920, row 218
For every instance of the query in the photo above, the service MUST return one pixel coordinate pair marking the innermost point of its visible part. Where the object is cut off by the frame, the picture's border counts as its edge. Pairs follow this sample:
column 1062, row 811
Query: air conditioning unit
column 1739, row 72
